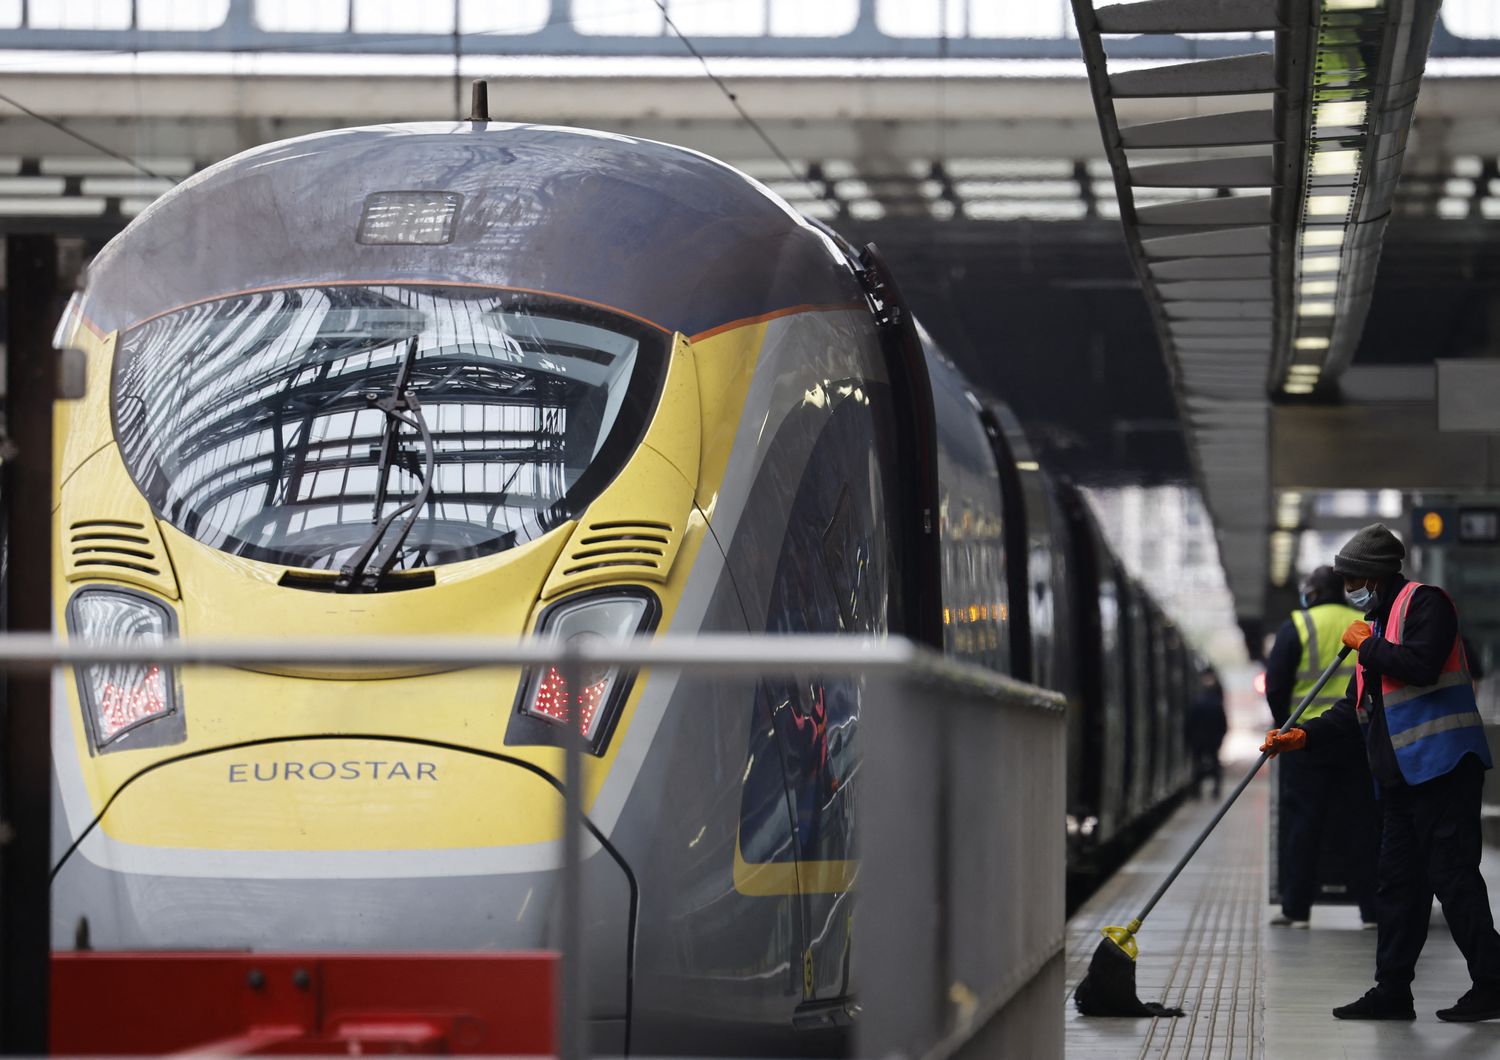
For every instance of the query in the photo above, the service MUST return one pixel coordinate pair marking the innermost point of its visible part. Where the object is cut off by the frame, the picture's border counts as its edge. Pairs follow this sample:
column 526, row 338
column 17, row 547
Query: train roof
column 660, row 232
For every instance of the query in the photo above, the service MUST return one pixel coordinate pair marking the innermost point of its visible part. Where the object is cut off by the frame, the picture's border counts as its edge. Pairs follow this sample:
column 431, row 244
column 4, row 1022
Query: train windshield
column 254, row 423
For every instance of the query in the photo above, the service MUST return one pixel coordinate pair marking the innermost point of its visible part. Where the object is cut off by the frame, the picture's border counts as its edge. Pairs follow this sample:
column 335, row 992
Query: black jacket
column 1426, row 640
column 1281, row 671
column 1206, row 723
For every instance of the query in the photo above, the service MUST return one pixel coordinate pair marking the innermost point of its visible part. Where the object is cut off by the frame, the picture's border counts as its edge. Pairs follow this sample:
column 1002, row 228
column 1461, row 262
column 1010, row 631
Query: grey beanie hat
column 1374, row 552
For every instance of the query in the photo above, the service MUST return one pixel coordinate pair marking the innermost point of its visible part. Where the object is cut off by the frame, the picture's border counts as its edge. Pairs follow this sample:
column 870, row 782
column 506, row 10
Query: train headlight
column 126, row 705
column 544, row 703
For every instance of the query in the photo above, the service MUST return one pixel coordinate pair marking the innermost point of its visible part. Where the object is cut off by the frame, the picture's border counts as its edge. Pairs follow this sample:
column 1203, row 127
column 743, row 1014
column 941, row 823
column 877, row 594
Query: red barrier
column 241, row 1003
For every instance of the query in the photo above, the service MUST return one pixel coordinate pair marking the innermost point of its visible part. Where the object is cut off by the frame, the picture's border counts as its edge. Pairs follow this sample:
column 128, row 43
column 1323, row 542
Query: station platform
column 1251, row 990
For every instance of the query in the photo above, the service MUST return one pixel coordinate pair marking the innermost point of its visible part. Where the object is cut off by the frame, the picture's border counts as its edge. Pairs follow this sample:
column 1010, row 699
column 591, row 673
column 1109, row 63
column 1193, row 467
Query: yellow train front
column 474, row 379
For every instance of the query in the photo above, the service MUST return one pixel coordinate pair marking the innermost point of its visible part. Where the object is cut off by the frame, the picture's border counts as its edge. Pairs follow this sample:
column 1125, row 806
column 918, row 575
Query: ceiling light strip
column 1366, row 59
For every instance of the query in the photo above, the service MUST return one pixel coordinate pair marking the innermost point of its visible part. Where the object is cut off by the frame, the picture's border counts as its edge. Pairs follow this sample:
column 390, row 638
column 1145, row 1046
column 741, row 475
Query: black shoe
column 1480, row 1003
column 1377, row 1005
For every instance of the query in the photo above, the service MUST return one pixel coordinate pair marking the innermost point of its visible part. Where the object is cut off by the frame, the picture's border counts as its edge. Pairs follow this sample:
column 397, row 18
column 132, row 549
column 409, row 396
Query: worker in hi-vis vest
column 1333, row 779
column 1412, row 702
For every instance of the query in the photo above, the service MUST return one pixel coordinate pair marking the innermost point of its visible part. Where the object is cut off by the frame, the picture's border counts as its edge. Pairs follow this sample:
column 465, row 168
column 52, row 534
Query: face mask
column 1363, row 598
column 1302, row 600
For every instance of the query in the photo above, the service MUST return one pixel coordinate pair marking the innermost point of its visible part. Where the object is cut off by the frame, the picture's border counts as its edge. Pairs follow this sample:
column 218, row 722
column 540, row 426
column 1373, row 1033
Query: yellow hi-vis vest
column 1321, row 630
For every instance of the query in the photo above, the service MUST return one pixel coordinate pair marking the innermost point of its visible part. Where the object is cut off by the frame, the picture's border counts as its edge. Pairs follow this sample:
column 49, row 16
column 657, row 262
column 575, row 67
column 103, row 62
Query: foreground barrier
column 961, row 909
column 959, row 817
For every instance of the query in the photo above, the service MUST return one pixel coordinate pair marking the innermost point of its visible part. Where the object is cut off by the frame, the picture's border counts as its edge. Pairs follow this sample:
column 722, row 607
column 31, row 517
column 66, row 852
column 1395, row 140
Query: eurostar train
column 493, row 379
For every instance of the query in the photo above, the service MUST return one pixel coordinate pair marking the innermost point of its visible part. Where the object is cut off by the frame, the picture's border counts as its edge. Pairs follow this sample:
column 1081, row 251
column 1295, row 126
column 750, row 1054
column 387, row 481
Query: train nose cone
column 336, row 844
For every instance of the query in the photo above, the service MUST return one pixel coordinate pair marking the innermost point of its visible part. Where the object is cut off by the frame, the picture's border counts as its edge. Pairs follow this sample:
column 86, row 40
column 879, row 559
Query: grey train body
column 811, row 533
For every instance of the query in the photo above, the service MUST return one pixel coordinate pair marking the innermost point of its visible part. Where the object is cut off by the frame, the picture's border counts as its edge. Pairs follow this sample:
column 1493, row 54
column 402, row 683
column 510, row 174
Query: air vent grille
column 619, row 545
column 117, row 549
column 107, row 532
column 111, row 543
column 615, row 551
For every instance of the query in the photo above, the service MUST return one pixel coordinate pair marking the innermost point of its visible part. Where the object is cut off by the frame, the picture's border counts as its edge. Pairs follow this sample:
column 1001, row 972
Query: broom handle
column 1182, row 862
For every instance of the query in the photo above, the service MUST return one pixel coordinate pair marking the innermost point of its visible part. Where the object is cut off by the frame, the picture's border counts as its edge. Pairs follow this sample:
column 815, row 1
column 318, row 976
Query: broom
column 1109, row 987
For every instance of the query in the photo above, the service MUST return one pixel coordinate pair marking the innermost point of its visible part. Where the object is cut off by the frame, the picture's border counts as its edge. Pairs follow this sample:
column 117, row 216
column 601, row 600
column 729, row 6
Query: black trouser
column 1206, row 765
column 1313, row 782
column 1430, row 846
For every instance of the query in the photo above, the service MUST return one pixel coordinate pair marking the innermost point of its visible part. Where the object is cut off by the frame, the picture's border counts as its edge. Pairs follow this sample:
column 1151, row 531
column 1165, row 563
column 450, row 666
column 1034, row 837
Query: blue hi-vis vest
column 1432, row 726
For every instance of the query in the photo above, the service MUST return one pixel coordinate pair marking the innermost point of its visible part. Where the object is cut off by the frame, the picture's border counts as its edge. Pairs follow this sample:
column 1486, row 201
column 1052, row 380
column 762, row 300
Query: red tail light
column 126, row 705
column 544, row 704
column 551, row 699
column 138, row 700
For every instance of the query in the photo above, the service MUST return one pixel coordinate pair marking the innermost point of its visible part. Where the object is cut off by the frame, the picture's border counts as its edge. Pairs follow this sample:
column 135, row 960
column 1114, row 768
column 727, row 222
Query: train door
column 1094, row 636
column 1118, row 730
column 1020, row 513
column 916, row 606
column 1142, row 709
column 1135, row 724
column 1162, row 704
column 820, row 548
column 1180, row 672
column 971, row 526
column 1037, row 554
column 870, row 557
column 1050, row 595
column 1056, row 654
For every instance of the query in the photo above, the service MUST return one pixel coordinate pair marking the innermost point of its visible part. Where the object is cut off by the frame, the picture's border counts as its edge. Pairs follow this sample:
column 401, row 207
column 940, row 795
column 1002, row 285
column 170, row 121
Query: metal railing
column 959, row 815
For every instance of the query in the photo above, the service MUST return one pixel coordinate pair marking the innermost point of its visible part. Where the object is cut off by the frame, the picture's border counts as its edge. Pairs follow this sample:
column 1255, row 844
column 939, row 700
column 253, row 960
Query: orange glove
column 1291, row 740
column 1356, row 634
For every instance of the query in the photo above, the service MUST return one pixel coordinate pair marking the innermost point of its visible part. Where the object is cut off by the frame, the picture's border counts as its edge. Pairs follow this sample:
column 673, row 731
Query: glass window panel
column 618, row 18
column 303, row 16
column 255, row 423
column 719, row 18
column 828, row 18
column 1037, row 19
column 504, row 16
column 1478, row 19
column 920, row 18
column 181, row 14
column 402, row 16
column 79, row 14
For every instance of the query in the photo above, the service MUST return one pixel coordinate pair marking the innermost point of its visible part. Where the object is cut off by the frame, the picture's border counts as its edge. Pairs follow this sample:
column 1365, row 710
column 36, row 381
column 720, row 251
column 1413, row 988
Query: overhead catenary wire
column 64, row 128
column 729, row 94
column 941, row 132
column 734, row 101
column 323, row 47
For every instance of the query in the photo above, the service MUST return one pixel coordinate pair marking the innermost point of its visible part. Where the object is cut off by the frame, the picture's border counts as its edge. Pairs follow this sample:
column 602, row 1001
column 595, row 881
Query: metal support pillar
column 25, row 757
column 572, row 1030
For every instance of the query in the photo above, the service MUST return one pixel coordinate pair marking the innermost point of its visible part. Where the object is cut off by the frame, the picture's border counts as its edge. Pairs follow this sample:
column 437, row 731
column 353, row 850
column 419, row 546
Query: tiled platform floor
column 1251, row 990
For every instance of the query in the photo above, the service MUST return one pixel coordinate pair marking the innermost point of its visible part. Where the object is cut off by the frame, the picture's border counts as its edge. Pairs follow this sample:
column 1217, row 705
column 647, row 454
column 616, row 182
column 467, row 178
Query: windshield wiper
column 365, row 569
